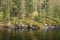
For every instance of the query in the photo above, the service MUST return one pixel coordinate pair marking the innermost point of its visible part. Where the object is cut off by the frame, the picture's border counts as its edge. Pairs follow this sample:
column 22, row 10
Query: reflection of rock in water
column 34, row 27
column 28, row 27
column 57, row 28
column 46, row 27
column 21, row 27
column 50, row 27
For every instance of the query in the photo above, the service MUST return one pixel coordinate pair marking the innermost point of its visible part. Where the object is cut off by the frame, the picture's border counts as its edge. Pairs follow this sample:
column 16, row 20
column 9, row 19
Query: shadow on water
column 26, row 35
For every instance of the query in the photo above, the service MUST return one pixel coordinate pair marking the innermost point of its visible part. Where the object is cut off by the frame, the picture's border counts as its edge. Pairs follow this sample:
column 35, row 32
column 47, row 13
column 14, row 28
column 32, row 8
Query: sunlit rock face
column 34, row 14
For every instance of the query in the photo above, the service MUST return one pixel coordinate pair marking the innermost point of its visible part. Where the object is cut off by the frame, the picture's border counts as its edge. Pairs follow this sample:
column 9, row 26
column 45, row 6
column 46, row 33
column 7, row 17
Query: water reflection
column 48, row 32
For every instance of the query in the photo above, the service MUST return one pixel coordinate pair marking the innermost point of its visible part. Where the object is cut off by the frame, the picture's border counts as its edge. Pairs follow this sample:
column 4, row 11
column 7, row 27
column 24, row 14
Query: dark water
column 30, row 35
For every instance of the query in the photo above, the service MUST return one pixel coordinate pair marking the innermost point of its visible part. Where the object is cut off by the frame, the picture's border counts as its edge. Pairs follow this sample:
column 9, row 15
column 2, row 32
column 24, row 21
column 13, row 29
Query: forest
column 35, row 11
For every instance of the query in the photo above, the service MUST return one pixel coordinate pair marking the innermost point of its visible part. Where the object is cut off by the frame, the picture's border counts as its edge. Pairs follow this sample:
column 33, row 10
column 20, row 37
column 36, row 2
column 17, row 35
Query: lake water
column 29, row 35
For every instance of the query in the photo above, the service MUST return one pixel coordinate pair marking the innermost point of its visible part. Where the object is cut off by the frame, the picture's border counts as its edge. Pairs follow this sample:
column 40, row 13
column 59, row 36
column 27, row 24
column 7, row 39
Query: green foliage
column 12, row 9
